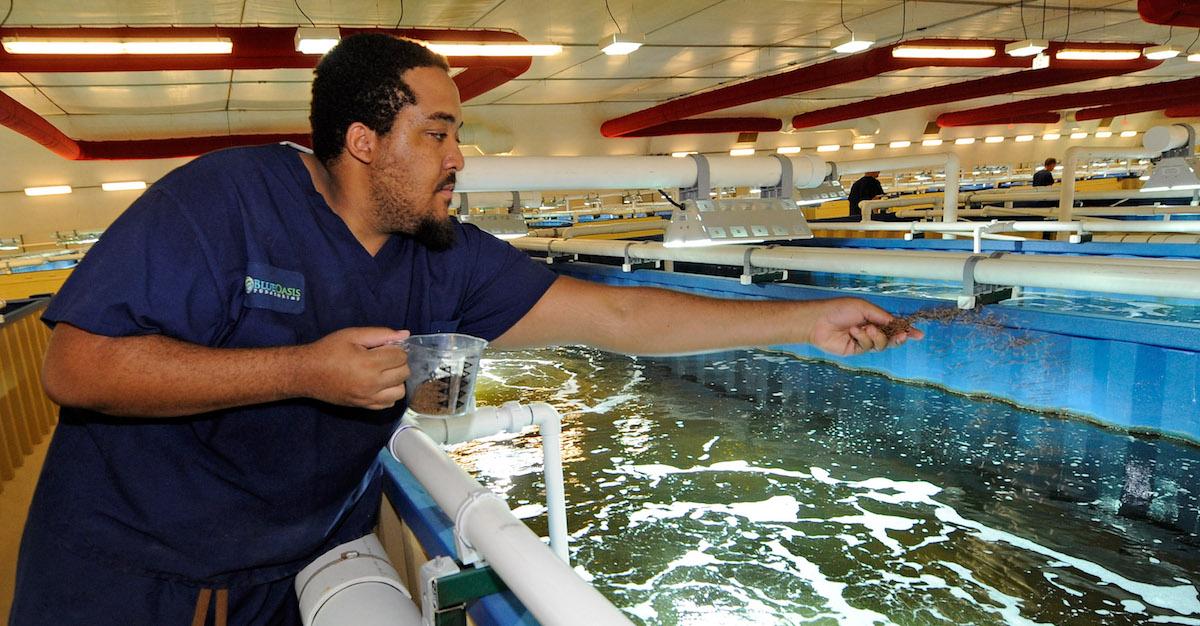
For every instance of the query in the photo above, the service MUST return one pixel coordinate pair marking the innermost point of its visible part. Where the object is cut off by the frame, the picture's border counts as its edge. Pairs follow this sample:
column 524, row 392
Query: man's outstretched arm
column 156, row 376
column 643, row 320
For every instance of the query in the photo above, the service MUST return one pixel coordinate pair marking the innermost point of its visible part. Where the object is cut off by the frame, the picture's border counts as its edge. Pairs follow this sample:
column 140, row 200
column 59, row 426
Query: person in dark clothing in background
column 1045, row 176
column 865, row 188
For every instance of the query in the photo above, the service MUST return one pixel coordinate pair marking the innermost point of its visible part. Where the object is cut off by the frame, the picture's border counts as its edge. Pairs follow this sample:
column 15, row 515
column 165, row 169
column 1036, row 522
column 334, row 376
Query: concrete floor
column 14, row 506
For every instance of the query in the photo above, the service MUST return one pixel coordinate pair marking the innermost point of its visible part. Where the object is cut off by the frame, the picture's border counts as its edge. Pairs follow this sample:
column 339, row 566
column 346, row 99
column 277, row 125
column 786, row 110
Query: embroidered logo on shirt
column 269, row 287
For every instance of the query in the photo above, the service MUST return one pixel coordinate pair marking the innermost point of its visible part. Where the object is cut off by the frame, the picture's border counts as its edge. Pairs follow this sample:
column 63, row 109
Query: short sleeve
column 504, row 285
column 148, row 274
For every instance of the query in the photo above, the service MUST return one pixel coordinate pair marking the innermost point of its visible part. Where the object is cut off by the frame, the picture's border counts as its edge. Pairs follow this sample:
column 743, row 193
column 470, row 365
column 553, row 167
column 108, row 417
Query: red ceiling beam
column 1170, row 12
column 989, row 115
column 709, row 125
column 1128, row 108
column 254, row 47
column 978, row 88
column 1187, row 110
column 826, row 74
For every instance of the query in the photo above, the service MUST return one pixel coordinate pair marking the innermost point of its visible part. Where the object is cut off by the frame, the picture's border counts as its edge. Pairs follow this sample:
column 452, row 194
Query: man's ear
column 361, row 142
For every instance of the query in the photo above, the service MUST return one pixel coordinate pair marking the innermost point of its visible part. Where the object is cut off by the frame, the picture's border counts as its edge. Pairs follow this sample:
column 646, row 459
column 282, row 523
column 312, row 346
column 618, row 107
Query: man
column 223, row 355
column 1045, row 176
column 865, row 188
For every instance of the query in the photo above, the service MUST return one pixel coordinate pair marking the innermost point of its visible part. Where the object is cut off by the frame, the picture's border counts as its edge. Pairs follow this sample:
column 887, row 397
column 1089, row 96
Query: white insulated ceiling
column 557, row 106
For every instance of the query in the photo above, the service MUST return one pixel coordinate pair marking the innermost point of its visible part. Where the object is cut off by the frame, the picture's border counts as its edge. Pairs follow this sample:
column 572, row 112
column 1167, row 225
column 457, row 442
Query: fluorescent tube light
column 828, row 148
column 943, row 52
column 1160, row 53
column 903, row 143
column 132, row 185
column 1026, row 48
column 52, row 190
column 68, row 45
column 494, row 49
column 1194, row 58
column 1051, row 136
column 1079, row 135
column 741, row 152
column 993, row 139
column 931, row 142
column 864, row 146
column 619, row 44
column 788, row 150
column 312, row 40
column 964, row 141
column 1094, row 54
column 682, row 154
column 1129, row 133
column 1023, row 138
column 1103, row 134
column 854, row 42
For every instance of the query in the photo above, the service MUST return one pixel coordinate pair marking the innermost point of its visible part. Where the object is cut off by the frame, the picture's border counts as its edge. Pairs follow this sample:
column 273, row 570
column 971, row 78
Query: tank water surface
column 756, row 488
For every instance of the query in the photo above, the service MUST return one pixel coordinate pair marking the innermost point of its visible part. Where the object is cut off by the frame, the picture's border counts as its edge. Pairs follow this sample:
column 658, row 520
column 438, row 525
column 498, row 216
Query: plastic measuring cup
column 443, row 368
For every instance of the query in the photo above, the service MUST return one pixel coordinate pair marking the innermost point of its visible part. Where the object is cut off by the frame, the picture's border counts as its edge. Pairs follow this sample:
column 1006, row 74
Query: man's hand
column 355, row 367
column 846, row 326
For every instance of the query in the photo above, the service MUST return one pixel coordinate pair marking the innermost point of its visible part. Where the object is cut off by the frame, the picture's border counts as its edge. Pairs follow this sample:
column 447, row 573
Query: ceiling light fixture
column 931, row 142
column 493, row 49
column 943, row 52
column 1129, row 133
column 828, row 148
column 1023, row 138
column 864, row 146
column 1103, row 134
column 1051, row 136
column 1026, row 48
column 1160, row 53
column 1079, row 135
column 620, row 44
column 741, row 152
column 682, row 154
column 788, row 150
column 993, row 139
column 70, row 45
column 1096, row 54
column 964, row 141
column 132, row 185
column 854, row 42
column 903, row 143
column 1194, row 57
column 316, row 40
column 51, row 190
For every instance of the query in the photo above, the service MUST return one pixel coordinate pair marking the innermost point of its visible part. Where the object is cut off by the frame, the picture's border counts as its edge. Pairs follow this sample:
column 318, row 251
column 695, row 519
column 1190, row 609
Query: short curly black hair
column 359, row 80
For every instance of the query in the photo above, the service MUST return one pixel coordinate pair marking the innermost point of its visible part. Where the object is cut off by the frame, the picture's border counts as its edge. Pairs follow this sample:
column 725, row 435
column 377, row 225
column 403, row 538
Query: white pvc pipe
column 1163, row 138
column 512, row 417
column 1066, row 198
column 1170, row 278
column 547, row 586
column 631, row 172
column 948, row 160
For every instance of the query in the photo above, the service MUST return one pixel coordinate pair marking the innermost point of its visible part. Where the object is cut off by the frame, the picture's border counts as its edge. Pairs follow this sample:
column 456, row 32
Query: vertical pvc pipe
column 1066, row 198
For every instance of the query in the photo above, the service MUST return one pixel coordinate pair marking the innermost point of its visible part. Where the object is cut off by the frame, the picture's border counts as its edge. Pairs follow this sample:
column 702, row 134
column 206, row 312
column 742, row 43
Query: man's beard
column 435, row 234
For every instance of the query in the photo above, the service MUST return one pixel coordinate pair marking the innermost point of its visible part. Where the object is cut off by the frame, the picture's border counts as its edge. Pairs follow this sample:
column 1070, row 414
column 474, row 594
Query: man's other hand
column 356, row 367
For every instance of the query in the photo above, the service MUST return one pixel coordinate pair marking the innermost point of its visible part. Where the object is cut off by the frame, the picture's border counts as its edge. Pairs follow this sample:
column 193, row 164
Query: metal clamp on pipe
column 978, row 294
column 553, row 257
column 466, row 551
column 629, row 264
column 753, row 275
column 787, row 181
column 701, row 186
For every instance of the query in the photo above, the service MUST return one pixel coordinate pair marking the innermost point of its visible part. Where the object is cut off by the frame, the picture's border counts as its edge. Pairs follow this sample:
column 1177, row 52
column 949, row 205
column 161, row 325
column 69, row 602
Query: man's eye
column 439, row 136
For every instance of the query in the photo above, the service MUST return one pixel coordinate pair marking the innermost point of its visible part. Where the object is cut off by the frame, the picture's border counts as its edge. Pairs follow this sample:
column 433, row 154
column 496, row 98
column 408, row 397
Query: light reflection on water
column 754, row 488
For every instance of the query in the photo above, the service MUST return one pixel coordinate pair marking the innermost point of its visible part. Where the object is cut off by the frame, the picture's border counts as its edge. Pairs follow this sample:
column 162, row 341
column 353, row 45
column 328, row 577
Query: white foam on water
column 657, row 471
column 1167, row 619
column 529, row 510
column 1182, row 599
column 1010, row 606
column 831, row 590
column 877, row 526
column 778, row 509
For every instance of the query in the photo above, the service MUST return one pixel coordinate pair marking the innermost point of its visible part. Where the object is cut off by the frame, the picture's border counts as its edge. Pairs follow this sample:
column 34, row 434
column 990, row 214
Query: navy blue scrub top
column 238, row 249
